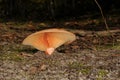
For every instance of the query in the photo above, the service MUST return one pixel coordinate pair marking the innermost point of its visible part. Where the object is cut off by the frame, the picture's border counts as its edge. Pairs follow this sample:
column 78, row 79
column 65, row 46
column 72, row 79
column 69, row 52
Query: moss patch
column 11, row 56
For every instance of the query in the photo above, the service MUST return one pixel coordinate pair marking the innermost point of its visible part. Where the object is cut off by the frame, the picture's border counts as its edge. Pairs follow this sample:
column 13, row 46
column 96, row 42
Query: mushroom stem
column 50, row 51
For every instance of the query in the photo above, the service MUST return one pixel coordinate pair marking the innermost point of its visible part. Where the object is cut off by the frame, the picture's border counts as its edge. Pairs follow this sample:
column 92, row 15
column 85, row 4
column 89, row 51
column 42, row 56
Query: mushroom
column 50, row 39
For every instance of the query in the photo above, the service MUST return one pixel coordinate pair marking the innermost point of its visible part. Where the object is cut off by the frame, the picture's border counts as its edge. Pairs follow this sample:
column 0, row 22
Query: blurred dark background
column 55, row 9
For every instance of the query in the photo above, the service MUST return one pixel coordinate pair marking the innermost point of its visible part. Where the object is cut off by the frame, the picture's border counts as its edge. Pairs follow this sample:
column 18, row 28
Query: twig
column 105, row 21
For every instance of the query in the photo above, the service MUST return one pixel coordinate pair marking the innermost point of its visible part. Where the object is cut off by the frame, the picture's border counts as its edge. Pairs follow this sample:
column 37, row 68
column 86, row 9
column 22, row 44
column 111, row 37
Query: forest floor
column 94, row 55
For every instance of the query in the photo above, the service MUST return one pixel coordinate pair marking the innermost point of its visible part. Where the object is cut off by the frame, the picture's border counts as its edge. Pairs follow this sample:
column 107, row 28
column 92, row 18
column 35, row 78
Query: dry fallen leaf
column 32, row 70
column 42, row 67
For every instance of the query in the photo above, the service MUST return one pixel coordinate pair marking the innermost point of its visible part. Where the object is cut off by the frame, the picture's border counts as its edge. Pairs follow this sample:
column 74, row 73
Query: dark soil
column 95, row 55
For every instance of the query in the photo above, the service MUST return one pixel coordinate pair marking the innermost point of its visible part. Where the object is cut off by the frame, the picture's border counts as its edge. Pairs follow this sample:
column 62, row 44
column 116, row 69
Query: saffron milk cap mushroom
column 50, row 39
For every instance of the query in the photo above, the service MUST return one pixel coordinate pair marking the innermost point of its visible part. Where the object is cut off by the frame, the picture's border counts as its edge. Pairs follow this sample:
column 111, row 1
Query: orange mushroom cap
column 48, row 40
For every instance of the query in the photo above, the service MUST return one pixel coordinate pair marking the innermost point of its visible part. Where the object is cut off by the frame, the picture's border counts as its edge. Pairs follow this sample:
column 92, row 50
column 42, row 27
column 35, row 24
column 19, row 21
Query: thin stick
column 105, row 21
